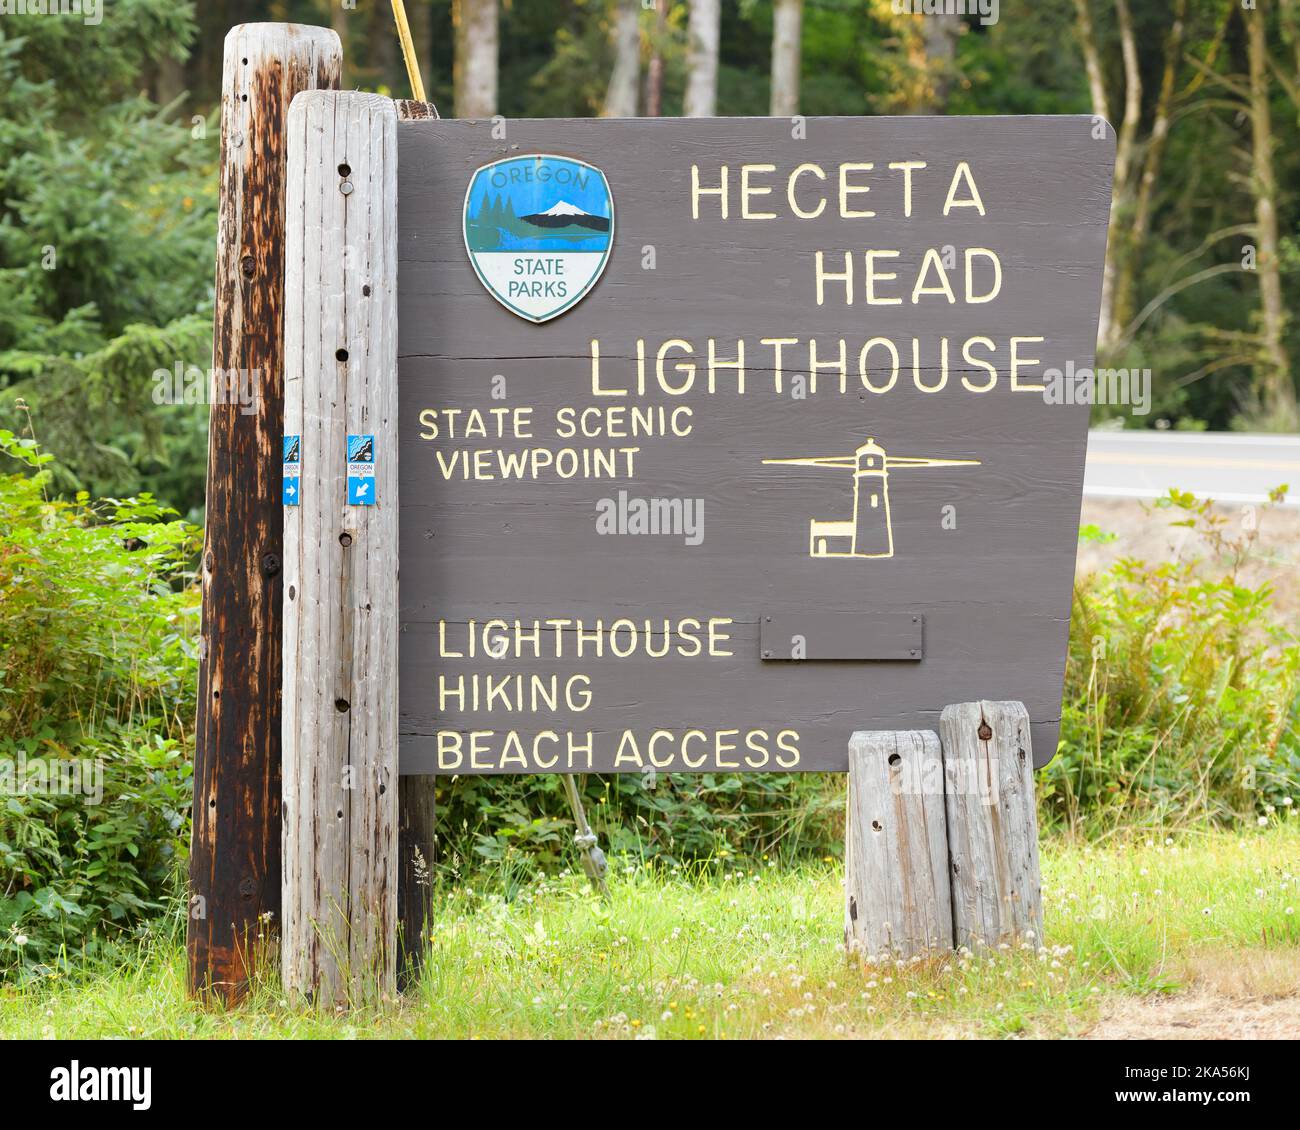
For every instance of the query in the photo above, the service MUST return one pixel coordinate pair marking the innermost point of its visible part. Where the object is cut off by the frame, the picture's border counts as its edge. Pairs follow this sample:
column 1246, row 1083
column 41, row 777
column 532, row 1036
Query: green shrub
column 522, row 823
column 98, row 670
column 1182, row 693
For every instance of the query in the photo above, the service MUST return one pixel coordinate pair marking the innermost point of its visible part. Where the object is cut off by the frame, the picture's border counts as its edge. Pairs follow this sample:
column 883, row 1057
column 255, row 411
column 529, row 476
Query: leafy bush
column 521, row 823
column 1182, row 694
column 98, row 655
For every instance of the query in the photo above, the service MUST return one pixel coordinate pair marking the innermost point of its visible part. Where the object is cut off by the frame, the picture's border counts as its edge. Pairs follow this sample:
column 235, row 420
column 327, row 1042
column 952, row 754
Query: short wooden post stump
column 992, row 826
column 897, row 900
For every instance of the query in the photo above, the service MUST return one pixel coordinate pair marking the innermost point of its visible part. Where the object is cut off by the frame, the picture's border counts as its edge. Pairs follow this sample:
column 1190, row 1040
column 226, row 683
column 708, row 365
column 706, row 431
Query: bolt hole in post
column 895, row 761
column 345, row 539
column 345, row 170
column 875, row 826
column 342, row 705
column 341, row 354
column 985, row 732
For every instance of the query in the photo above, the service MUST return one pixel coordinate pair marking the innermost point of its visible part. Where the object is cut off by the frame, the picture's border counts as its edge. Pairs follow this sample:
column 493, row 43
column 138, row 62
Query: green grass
column 753, row 950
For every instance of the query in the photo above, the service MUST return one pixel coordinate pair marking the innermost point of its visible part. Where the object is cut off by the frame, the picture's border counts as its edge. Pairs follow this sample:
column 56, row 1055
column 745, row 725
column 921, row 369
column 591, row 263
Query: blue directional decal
column 361, row 470
column 292, row 490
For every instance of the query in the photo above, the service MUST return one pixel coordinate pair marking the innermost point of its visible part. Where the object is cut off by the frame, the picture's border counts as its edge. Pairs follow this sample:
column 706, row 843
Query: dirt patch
column 1145, row 532
column 1232, row 996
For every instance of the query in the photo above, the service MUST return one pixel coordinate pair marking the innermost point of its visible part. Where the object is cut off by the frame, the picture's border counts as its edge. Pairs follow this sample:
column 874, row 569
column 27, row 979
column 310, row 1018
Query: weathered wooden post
column 896, row 896
column 992, row 826
column 235, row 850
column 340, row 626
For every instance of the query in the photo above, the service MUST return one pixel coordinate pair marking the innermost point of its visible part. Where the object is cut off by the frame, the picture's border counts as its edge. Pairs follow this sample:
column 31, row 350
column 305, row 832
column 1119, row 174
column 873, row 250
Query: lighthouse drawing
column 870, row 532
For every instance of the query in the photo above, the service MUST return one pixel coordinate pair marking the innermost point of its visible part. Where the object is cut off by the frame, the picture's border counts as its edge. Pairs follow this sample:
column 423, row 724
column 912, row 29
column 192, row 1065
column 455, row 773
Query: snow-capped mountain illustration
column 563, row 214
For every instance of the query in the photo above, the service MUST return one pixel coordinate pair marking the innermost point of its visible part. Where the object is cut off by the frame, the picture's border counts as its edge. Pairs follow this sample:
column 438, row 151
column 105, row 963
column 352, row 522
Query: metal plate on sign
column 838, row 635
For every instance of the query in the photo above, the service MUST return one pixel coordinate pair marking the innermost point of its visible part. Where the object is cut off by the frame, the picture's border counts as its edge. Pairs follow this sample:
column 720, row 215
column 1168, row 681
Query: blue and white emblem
column 538, row 230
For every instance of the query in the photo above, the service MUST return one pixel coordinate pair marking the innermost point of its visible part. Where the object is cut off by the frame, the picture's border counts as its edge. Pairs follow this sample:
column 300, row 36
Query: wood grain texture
column 340, row 654
column 992, row 826
column 897, row 902
column 993, row 585
column 235, row 847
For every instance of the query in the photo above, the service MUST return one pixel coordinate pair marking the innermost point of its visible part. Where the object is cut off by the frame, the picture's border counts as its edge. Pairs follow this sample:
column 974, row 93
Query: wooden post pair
column 307, row 301
column 941, row 836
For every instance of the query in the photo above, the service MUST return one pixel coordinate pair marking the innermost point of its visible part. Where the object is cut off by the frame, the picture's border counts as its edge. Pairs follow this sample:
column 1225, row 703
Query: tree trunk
column 704, row 31
column 382, row 48
column 1275, row 387
column 1127, row 283
column 941, row 31
column 420, row 15
column 340, row 21
column 654, row 78
column 1091, row 59
column 625, row 35
column 168, row 81
column 476, row 58
column 787, row 45
column 1107, row 330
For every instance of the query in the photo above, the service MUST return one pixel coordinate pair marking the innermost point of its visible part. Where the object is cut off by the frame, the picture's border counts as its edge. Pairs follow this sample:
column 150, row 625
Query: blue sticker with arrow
column 361, row 470
column 292, row 488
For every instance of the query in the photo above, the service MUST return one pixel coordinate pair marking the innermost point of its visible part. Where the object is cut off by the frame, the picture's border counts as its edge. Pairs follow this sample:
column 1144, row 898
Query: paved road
column 1227, row 467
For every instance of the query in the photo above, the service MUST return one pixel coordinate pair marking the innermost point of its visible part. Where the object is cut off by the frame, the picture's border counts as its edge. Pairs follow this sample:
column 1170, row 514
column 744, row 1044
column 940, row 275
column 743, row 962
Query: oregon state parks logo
column 538, row 230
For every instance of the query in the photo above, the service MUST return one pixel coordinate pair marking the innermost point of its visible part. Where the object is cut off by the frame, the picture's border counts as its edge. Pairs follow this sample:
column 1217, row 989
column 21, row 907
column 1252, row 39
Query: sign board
column 723, row 439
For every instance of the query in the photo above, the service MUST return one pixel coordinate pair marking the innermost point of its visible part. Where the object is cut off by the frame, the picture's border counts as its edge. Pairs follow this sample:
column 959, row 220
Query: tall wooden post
column 416, row 810
column 235, row 851
column 338, row 939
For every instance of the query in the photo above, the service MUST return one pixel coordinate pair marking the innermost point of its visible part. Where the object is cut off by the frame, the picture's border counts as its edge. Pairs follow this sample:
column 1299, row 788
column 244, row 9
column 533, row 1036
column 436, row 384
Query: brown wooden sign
column 723, row 439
